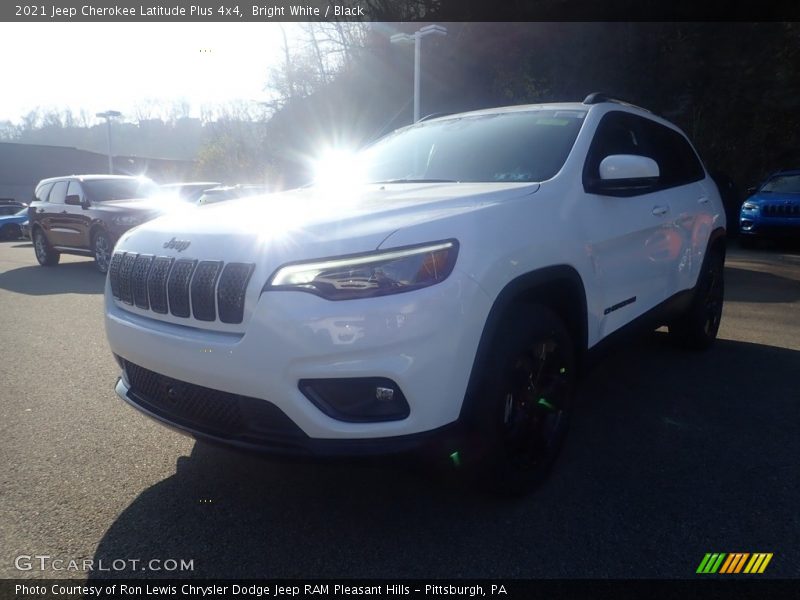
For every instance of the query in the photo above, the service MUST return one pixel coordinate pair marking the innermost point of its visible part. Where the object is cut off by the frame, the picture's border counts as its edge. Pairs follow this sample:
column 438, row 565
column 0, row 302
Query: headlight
column 749, row 206
column 369, row 275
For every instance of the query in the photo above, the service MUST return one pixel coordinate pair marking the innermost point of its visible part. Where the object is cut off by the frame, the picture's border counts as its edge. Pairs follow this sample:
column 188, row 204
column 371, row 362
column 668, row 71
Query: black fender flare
column 527, row 288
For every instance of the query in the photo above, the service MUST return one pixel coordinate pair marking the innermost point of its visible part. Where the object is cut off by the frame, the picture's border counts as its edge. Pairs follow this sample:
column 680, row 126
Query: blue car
column 773, row 210
column 11, row 225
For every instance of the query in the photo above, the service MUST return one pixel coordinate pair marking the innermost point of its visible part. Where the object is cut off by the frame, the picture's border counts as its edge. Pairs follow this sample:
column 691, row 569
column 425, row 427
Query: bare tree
column 313, row 60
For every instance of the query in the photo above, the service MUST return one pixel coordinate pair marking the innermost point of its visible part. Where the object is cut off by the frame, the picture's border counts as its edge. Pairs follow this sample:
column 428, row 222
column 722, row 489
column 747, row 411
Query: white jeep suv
column 439, row 293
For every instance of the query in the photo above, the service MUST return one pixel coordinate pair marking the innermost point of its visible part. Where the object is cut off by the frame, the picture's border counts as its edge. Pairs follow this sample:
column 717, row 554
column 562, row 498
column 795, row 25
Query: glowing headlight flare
column 339, row 169
column 375, row 274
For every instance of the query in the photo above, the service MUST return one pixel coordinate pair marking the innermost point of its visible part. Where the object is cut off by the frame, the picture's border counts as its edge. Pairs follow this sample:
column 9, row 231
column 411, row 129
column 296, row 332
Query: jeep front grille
column 141, row 267
column 178, row 287
column 125, row 268
column 157, row 284
column 204, row 283
column 207, row 290
column 781, row 210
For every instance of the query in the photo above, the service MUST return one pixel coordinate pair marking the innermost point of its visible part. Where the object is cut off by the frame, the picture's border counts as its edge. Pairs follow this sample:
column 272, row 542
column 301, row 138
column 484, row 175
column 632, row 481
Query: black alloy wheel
column 525, row 402
column 45, row 254
column 698, row 327
column 535, row 406
column 102, row 251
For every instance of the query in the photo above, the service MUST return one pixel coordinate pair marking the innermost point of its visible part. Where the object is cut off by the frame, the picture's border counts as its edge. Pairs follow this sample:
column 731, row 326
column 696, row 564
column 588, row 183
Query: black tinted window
column 101, row 190
column 59, row 192
column 677, row 162
column 626, row 133
column 42, row 192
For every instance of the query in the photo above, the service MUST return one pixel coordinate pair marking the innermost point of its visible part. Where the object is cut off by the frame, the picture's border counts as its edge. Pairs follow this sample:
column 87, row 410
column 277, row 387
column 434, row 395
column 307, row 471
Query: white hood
column 312, row 222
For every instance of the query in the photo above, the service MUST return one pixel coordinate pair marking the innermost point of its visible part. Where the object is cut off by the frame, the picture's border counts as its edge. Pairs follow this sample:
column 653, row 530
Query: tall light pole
column 416, row 39
column 108, row 115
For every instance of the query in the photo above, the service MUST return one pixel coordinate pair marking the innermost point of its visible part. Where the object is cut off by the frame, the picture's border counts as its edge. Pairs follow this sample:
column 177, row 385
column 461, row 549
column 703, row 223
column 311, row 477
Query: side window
column 617, row 133
column 58, row 193
column 41, row 193
column 677, row 162
column 75, row 189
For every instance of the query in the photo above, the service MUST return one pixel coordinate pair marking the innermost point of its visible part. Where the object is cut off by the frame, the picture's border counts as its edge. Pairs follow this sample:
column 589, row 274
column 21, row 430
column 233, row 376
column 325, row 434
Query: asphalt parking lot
column 671, row 455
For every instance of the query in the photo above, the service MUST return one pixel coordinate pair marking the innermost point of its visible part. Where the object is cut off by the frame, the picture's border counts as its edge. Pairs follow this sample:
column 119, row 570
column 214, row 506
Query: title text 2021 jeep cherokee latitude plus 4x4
column 85, row 214
column 441, row 294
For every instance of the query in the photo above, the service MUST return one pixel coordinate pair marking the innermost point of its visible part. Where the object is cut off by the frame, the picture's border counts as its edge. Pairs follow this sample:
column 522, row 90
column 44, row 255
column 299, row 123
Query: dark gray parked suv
column 86, row 214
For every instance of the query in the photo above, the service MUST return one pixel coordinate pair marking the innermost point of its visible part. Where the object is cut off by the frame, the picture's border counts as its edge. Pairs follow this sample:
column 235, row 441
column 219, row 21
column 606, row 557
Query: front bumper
column 424, row 341
column 276, row 435
column 769, row 227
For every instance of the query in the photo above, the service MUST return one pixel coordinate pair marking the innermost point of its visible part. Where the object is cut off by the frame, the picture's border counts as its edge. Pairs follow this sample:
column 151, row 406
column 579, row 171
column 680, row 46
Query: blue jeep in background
column 772, row 210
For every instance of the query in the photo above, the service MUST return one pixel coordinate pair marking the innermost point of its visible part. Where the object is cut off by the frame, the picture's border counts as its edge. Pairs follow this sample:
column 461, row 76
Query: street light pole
column 416, row 39
column 108, row 115
column 417, row 52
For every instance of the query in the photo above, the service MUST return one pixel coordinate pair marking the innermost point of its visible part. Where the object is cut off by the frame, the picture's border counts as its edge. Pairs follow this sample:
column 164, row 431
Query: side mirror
column 625, row 175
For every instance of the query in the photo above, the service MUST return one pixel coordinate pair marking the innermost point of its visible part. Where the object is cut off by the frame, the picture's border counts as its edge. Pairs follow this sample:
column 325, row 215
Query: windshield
column 502, row 147
column 783, row 184
column 101, row 190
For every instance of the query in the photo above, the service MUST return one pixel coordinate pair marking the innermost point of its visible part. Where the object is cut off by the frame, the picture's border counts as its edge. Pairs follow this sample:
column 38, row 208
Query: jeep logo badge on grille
column 178, row 245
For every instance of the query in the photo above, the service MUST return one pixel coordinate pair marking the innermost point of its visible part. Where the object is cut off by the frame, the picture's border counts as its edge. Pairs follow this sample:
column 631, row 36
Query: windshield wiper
column 409, row 180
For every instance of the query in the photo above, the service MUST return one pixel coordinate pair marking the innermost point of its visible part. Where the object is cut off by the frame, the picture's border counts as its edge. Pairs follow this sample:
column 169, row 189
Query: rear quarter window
column 42, row 192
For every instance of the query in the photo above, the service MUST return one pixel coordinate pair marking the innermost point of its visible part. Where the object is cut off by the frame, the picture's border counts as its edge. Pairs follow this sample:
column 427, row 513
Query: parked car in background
column 772, row 211
column 11, row 225
column 86, row 214
column 9, row 206
column 231, row 192
column 189, row 191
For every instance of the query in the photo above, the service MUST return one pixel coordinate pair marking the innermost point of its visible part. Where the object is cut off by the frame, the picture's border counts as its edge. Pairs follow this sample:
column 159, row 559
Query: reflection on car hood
column 314, row 222
column 777, row 197
column 148, row 204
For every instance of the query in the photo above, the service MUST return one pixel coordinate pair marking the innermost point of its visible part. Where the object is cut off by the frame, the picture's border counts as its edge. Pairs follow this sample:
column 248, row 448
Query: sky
column 115, row 66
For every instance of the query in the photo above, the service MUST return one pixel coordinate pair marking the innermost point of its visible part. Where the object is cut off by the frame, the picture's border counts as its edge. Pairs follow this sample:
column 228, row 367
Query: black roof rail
column 599, row 97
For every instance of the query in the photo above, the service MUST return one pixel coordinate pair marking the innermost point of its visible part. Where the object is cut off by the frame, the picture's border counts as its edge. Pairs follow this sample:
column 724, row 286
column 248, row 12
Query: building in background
column 22, row 166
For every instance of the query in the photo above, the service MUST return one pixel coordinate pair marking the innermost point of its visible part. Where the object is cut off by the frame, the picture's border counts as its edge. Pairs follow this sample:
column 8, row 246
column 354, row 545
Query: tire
column 524, row 402
column 697, row 328
column 102, row 249
column 45, row 254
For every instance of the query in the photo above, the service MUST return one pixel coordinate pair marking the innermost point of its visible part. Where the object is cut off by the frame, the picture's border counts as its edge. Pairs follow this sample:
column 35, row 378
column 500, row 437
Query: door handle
column 660, row 210
column 39, row 210
column 703, row 200
column 63, row 212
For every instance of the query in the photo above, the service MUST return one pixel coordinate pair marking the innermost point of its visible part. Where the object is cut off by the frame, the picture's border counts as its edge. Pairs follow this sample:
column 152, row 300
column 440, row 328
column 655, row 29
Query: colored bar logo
column 736, row 562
